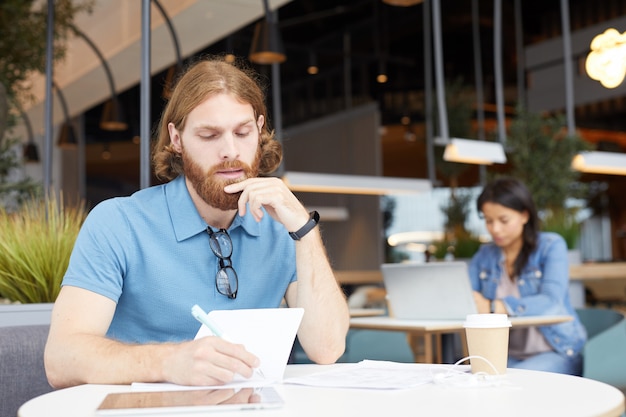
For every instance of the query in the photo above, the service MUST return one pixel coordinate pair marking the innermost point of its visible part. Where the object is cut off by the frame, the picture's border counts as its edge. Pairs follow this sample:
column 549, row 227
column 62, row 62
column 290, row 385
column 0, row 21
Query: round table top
column 525, row 393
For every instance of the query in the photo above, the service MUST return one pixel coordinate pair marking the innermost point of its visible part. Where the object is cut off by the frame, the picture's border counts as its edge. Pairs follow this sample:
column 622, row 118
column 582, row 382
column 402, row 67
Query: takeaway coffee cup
column 488, row 338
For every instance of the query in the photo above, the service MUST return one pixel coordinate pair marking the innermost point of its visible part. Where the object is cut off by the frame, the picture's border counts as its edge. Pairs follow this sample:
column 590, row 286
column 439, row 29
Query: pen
column 198, row 313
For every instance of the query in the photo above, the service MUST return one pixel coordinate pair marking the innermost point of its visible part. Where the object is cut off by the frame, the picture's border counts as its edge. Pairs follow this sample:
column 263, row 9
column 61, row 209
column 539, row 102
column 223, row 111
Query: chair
column 22, row 374
column 604, row 355
column 377, row 345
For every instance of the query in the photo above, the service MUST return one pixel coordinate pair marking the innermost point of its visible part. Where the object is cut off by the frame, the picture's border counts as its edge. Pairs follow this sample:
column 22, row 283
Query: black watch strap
column 314, row 219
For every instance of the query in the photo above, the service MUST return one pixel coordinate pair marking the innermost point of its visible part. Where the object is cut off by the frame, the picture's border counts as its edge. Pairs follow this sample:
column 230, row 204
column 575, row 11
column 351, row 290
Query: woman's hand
column 483, row 305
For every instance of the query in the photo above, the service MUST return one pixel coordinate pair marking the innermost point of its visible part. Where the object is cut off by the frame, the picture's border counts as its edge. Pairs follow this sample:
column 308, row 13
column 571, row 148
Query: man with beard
column 215, row 234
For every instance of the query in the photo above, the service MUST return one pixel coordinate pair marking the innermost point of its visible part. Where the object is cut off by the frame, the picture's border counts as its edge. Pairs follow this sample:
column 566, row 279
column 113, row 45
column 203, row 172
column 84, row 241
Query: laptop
column 428, row 291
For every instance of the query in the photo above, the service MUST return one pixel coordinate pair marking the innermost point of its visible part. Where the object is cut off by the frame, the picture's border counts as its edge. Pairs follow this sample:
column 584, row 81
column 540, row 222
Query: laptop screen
column 428, row 291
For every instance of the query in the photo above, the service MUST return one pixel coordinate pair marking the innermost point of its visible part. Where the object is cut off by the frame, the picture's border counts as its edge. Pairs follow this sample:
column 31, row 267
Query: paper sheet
column 268, row 333
column 370, row 375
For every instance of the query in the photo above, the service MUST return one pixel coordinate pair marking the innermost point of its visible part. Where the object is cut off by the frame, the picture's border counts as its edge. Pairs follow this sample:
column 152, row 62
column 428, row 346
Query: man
column 215, row 235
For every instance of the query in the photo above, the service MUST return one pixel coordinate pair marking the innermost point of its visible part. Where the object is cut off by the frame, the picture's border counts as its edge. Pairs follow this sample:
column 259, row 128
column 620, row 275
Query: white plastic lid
column 487, row 320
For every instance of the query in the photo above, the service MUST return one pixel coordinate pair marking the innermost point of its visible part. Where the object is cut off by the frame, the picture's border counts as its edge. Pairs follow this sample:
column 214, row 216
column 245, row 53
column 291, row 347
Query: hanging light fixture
column 596, row 162
column 31, row 153
column 67, row 136
column 314, row 182
column 29, row 149
column 381, row 78
column 470, row 151
column 267, row 46
column 230, row 56
column 312, row 69
column 106, row 151
column 112, row 117
column 605, row 62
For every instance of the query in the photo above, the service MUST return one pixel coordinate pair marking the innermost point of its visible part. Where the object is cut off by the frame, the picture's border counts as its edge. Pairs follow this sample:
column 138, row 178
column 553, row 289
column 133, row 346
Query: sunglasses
column 226, row 280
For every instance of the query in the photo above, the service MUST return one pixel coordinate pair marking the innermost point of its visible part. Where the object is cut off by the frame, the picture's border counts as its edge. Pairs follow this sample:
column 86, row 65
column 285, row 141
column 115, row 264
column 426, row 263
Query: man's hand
column 273, row 195
column 208, row 361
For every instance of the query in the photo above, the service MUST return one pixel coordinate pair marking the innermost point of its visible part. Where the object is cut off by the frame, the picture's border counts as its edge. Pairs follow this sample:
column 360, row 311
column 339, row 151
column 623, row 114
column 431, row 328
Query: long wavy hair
column 513, row 194
column 202, row 79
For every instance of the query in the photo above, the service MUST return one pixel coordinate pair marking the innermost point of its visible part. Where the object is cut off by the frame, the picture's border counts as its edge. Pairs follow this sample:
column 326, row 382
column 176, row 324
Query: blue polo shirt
column 150, row 254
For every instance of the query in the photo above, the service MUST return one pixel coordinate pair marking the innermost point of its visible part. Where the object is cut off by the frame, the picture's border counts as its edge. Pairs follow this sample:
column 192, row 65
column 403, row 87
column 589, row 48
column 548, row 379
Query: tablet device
column 136, row 403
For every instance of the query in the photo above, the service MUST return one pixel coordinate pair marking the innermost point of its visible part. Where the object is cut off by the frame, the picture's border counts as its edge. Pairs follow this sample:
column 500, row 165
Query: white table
column 529, row 393
column 426, row 329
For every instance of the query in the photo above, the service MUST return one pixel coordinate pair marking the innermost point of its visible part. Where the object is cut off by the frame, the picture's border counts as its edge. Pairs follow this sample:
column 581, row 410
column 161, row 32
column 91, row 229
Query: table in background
column 427, row 330
column 367, row 312
column 528, row 393
column 606, row 281
column 359, row 277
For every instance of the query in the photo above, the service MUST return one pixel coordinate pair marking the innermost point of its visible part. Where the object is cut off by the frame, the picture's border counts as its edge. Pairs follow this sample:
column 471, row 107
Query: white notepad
column 268, row 333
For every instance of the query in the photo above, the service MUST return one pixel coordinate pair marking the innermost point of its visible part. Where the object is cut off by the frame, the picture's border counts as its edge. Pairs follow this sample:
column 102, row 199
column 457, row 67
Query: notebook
column 428, row 291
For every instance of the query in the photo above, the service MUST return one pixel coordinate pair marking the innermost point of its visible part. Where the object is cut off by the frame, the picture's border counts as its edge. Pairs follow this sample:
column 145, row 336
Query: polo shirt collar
column 247, row 223
column 185, row 218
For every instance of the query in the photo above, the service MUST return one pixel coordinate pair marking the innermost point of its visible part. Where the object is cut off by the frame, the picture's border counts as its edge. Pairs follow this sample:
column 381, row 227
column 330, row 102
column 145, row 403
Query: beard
column 211, row 188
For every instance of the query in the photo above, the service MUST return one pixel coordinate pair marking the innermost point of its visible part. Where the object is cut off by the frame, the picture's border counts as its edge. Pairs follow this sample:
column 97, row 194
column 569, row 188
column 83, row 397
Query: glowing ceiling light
column 606, row 62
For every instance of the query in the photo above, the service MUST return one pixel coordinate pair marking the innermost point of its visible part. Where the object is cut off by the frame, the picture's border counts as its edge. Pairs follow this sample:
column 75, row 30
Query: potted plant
column 35, row 249
column 37, row 235
column 458, row 242
column 540, row 153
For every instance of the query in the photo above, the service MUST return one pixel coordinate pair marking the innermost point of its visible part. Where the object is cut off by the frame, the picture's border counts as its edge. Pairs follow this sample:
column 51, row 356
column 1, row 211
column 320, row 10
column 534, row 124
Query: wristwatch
column 314, row 219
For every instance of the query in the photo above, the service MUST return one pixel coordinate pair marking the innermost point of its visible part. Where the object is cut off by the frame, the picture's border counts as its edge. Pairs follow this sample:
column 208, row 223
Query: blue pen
column 199, row 314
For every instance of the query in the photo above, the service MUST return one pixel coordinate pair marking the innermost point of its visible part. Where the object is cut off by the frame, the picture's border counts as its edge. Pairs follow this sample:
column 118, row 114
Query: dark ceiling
column 352, row 40
column 373, row 35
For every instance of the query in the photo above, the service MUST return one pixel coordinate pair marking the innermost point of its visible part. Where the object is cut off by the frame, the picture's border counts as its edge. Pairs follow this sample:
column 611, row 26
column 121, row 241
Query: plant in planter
column 458, row 241
column 540, row 153
column 564, row 223
column 35, row 248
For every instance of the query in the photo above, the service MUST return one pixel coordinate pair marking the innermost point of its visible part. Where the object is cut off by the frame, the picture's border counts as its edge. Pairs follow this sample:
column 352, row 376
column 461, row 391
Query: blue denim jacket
column 543, row 285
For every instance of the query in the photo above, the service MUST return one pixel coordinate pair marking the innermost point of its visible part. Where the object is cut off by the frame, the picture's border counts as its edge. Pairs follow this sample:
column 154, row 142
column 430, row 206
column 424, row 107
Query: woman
column 524, row 272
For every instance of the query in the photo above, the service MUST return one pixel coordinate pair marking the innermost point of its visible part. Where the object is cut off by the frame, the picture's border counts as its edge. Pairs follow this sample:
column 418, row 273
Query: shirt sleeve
column 98, row 260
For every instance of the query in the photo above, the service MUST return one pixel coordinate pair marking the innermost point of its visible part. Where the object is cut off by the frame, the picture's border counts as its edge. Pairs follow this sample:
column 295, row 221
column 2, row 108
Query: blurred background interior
column 363, row 88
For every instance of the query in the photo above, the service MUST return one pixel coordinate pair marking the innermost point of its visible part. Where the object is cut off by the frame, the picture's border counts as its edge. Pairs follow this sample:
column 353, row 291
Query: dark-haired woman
column 524, row 272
